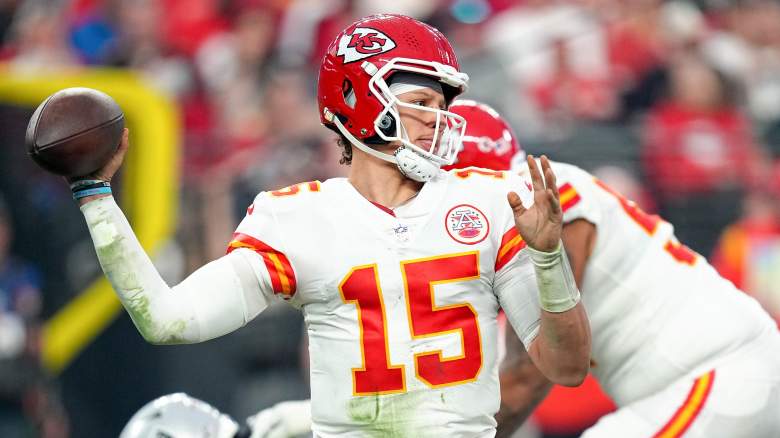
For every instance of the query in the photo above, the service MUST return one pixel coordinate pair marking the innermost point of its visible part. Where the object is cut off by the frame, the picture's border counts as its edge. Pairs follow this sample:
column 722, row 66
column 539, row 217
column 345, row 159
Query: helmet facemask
column 412, row 160
column 449, row 127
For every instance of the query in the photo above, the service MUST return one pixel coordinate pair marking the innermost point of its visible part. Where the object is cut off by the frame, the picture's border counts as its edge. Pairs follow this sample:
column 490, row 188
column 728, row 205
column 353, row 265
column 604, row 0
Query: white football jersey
column 657, row 310
column 400, row 306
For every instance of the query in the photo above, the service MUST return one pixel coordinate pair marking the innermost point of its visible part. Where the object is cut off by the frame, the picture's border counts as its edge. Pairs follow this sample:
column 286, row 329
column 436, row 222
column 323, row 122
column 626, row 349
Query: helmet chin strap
column 410, row 164
column 414, row 166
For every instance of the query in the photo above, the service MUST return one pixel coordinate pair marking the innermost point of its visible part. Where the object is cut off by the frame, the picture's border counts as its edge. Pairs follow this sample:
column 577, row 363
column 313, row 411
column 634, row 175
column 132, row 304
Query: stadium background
column 676, row 104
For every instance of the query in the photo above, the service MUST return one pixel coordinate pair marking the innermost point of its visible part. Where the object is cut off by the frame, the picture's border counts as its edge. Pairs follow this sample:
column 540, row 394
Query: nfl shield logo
column 466, row 224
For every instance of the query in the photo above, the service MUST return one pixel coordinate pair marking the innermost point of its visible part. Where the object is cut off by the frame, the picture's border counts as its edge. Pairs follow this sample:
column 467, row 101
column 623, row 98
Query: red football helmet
column 489, row 142
column 355, row 99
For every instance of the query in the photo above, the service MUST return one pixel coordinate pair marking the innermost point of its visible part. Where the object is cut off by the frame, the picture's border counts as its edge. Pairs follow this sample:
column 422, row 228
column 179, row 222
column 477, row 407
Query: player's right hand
column 107, row 172
column 283, row 420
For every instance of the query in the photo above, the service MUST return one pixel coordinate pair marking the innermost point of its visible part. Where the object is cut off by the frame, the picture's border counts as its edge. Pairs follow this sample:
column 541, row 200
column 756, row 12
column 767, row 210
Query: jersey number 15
column 377, row 375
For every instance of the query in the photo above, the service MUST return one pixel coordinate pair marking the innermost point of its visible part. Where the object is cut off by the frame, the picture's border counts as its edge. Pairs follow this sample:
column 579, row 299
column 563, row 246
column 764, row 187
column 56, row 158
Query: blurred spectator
column 140, row 44
column 296, row 147
column 7, row 8
column 38, row 39
column 465, row 23
column 748, row 252
column 533, row 39
column 29, row 406
column 643, row 37
column 746, row 46
column 564, row 95
column 698, row 154
column 91, row 33
column 233, row 66
column 309, row 26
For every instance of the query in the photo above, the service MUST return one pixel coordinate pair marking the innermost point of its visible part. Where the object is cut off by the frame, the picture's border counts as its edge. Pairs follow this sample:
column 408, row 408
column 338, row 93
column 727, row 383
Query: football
column 75, row 131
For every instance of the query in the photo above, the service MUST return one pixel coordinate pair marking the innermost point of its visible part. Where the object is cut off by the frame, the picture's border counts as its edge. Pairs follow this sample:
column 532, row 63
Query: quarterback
column 680, row 350
column 400, row 269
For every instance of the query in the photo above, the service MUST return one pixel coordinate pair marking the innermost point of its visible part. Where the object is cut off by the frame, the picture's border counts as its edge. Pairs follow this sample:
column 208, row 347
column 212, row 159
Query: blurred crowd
column 674, row 103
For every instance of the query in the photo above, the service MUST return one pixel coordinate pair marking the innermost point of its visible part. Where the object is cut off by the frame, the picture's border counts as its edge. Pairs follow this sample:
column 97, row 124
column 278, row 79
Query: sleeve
column 215, row 300
column 515, row 287
column 260, row 234
column 515, row 279
column 577, row 192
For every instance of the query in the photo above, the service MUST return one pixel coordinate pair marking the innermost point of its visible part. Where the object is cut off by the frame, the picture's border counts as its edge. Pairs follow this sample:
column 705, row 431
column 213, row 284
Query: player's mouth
column 424, row 143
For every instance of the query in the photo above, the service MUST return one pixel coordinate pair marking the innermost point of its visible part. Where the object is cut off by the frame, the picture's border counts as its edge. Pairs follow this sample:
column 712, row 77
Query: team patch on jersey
column 466, row 224
column 362, row 43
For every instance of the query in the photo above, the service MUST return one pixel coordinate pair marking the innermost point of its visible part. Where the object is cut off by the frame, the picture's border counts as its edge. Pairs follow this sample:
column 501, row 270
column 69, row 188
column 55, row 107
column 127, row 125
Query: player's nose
column 430, row 119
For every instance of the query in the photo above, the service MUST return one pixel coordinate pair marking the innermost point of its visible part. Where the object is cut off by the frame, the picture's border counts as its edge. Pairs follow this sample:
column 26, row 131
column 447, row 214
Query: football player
column 399, row 269
column 679, row 349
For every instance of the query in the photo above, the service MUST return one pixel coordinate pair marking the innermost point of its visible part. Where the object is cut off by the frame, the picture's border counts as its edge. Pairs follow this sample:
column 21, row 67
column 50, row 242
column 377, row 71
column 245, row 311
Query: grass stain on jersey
column 113, row 256
column 172, row 333
column 392, row 415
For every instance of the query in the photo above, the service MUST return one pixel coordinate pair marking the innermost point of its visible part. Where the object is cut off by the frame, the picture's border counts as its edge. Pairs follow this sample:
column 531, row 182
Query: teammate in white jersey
column 679, row 349
column 399, row 269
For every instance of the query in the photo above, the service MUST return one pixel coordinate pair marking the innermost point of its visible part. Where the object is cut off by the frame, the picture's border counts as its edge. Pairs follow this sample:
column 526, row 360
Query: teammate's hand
column 283, row 420
column 107, row 172
column 540, row 226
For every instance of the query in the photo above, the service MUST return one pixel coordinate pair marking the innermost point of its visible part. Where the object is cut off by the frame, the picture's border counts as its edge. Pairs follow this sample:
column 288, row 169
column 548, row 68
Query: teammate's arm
column 216, row 299
column 523, row 387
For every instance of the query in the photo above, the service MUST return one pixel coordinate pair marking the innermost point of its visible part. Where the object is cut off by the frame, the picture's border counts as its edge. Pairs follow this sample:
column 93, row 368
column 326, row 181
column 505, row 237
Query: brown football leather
column 74, row 131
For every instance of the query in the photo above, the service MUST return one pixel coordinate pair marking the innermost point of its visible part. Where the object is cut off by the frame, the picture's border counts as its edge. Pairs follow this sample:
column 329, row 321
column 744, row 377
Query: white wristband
column 558, row 291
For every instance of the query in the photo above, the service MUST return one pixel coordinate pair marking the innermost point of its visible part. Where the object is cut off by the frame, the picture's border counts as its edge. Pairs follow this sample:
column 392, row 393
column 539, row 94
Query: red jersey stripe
column 568, row 196
column 279, row 268
column 687, row 413
column 511, row 244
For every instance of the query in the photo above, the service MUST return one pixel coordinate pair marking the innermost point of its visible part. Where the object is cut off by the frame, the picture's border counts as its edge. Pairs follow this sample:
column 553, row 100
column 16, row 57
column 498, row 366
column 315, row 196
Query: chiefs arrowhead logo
column 362, row 43
column 466, row 224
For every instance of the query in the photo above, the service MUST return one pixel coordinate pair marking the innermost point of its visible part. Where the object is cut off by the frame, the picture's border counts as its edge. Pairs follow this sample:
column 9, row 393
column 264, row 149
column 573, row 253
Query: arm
column 216, row 299
column 579, row 238
column 561, row 350
column 522, row 388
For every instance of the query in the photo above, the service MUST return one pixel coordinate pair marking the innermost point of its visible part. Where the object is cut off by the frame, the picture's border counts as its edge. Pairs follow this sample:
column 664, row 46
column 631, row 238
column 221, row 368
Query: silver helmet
column 179, row 416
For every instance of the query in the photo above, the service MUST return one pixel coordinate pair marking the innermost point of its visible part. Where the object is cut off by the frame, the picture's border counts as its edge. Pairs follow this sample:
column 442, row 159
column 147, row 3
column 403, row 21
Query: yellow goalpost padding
column 149, row 189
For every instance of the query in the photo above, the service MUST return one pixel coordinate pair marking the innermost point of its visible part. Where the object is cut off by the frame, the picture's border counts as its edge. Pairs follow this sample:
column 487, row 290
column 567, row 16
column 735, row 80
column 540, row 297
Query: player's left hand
column 283, row 420
column 540, row 226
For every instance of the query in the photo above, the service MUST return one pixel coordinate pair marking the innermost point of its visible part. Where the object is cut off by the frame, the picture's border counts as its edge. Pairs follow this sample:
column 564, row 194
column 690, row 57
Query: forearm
column 190, row 312
column 561, row 350
column 516, row 406
column 523, row 387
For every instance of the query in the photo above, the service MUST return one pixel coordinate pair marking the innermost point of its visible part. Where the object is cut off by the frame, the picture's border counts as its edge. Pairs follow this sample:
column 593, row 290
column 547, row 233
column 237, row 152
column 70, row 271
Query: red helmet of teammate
column 355, row 99
column 489, row 142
